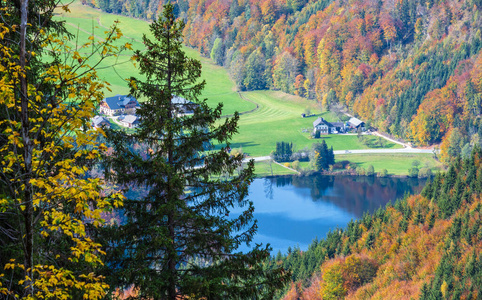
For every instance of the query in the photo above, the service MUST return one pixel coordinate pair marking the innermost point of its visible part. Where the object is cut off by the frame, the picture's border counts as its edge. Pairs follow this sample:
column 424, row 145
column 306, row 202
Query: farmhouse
column 99, row 121
column 355, row 123
column 183, row 106
column 118, row 104
column 325, row 127
column 130, row 121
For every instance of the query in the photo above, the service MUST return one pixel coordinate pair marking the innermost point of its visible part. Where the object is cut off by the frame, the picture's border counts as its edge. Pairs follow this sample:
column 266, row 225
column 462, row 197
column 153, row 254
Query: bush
column 236, row 152
column 424, row 173
column 351, row 166
column 413, row 172
column 295, row 165
column 383, row 173
column 361, row 171
column 370, row 170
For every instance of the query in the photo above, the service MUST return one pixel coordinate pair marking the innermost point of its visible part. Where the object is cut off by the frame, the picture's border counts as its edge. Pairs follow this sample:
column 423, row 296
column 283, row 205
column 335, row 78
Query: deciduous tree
column 49, row 92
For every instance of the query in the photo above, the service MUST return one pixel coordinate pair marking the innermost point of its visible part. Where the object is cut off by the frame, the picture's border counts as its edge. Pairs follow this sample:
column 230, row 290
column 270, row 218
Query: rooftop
column 119, row 101
column 355, row 121
column 129, row 119
column 97, row 120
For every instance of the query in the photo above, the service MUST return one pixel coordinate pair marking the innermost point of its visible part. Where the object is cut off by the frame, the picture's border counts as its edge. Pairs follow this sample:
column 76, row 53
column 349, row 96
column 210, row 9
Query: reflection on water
column 294, row 210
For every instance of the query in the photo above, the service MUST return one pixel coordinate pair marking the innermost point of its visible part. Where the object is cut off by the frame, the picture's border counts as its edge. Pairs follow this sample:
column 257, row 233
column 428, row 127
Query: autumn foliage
column 424, row 246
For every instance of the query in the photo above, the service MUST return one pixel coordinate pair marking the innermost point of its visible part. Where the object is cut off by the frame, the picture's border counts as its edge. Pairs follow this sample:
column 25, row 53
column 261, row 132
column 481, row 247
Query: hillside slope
column 412, row 68
column 425, row 246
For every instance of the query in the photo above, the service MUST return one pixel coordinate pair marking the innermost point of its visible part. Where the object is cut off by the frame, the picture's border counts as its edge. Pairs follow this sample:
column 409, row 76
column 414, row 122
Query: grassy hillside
column 83, row 20
column 279, row 119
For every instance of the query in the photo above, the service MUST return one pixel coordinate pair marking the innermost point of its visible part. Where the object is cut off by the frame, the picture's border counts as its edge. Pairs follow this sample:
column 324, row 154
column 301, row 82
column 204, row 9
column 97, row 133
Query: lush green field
column 84, row 20
column 279, row 119
column 266, row 168
column 396, row 164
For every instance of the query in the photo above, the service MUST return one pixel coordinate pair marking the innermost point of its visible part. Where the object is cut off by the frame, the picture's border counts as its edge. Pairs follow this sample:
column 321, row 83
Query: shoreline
column 340, row 173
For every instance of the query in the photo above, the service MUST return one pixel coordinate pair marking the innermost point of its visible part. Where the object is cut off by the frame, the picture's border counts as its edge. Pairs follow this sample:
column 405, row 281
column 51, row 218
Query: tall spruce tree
column 180, row 239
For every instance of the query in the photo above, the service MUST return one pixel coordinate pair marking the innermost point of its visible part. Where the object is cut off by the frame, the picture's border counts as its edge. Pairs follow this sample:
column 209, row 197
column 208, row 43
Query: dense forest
column 410, row 68
column 425, row 246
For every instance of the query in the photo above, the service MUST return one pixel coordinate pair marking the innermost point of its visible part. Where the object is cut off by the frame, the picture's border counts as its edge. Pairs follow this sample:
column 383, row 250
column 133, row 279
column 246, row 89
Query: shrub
column 383, row 173
column 424, row 173
column 413, row 172
column 236, row 152
column 301, row 155
column 360, row 171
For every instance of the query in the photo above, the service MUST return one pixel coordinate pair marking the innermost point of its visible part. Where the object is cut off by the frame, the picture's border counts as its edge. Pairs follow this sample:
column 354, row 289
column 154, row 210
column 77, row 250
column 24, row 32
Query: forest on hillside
column 421, row 247
column 410, row 68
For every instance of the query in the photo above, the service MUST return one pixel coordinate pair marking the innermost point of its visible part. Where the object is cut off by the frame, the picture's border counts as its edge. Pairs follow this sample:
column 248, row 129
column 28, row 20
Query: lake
column 294, row 210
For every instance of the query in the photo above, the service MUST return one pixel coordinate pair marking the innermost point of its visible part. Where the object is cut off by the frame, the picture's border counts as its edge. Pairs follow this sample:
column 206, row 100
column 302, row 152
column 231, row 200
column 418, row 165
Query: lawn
column 266, row 168
column 396, row 164
column 279, row 119
column 84, row 20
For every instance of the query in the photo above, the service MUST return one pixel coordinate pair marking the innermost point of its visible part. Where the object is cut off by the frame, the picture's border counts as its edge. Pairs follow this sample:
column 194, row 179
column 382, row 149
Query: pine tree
column 180, row 239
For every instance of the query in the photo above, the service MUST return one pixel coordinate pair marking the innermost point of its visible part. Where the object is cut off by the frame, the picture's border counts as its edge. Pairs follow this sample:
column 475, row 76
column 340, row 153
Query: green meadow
column 83, row 20
column 267, row 168
column 278, row 118
column 395, row 164
column 266, row 117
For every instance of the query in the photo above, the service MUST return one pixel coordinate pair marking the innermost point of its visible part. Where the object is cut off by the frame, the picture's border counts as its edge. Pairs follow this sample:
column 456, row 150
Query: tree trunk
column 27, row 151
column 172, row 295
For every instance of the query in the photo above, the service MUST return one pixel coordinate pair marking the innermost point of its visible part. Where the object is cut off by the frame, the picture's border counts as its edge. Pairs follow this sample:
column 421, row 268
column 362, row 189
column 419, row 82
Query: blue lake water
column 294, row 210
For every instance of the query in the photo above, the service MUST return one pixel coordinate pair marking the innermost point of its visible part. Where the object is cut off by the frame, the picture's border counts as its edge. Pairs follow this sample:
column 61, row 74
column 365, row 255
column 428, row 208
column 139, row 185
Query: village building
column 183, row 106
column 99, row 121
column 355, row 123
column 129, row 121
column 118, row 104
column 324, row 127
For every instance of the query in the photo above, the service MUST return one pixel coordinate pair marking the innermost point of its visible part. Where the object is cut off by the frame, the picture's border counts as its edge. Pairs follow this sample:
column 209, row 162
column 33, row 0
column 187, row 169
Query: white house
column 130, row 121
column 325, row 127
column 183, row 106
column 118, row 104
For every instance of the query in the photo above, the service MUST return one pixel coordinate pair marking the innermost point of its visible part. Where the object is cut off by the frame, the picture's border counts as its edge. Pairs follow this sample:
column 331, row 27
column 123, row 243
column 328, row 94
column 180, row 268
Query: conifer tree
column 182, row 238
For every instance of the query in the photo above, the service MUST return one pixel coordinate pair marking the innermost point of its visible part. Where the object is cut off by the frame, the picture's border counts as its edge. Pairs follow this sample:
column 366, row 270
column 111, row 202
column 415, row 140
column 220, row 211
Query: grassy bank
column 395, row 164
column 266, row 168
